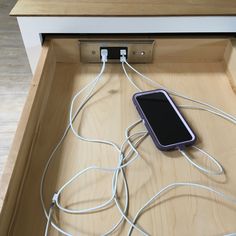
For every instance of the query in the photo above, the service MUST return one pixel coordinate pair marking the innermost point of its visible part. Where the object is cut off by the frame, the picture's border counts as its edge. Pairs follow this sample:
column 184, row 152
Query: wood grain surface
column 124, row 7
column 182, row 211
column 15, row 77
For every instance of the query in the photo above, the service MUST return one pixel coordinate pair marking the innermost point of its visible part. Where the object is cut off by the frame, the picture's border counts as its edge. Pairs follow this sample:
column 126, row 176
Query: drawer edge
column 14, row 172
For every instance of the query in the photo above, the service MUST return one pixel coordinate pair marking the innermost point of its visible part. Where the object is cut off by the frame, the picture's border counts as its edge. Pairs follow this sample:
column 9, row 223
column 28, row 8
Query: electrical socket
column 138, row 51
column 114, row 52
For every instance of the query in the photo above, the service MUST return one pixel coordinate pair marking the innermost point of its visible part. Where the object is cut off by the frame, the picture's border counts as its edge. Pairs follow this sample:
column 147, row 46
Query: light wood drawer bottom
column 200, row 68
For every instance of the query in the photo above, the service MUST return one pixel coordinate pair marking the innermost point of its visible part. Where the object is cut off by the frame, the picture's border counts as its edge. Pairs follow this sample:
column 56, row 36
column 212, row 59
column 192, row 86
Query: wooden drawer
column 202, row 68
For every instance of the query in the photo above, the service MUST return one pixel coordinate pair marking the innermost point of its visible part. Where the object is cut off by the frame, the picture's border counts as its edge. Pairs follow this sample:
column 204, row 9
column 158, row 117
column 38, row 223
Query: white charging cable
column 124, row 160
column 120, row 167
column 207, row 107
column 155, row 84
column 175, row 185
column 219, row 170
column 116, row 170
column 52, row 156
column 96, row 168
column 174, row 93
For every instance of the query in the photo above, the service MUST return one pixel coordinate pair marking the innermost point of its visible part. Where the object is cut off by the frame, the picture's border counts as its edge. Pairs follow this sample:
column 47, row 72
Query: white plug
column 54, row 198
column 123, row 54
column 104, row 54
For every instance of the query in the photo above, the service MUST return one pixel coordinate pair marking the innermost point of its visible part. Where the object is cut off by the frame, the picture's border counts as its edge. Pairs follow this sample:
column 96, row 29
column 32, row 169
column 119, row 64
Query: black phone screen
column 166, row 122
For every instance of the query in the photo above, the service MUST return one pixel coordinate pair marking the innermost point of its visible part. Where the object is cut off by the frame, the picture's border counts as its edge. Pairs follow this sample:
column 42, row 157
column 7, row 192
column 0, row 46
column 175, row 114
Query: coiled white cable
column 219, row 170
column 122, row 162
column 219, row 166
column 103, row 169
column 211, row 109
column 114, row 185
column 56, row 196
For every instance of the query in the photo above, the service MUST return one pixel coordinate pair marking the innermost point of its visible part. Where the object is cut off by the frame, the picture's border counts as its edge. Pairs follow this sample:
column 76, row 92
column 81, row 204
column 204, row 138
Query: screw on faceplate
column 142, row 53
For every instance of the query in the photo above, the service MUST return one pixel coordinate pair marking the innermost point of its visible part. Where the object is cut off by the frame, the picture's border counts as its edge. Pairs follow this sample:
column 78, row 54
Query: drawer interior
column 202, row 68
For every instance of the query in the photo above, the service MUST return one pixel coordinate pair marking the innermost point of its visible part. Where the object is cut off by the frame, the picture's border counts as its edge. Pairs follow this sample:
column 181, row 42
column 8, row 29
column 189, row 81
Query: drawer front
column 202, row 68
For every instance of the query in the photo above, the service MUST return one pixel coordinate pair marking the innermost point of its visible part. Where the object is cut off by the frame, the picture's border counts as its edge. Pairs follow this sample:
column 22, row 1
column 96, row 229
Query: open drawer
column 202, row 68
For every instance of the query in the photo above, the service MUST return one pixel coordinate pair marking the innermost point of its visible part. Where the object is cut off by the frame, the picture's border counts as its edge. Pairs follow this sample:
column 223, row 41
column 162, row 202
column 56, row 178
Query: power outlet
column 138, row 51
column 114, row 52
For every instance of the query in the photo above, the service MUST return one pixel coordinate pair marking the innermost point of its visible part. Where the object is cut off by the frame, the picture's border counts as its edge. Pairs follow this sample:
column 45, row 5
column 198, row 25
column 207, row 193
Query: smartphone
column 163, row 120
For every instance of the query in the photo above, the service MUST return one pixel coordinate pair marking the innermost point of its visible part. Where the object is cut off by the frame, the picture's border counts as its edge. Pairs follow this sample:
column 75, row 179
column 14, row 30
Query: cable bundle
column 125, row 158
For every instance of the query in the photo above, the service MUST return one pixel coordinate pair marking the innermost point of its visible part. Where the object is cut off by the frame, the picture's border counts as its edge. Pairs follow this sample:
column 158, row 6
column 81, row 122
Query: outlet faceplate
column 139, row 51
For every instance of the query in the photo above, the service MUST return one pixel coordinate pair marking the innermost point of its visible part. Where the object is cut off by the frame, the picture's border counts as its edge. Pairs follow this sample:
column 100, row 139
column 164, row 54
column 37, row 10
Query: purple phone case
column 180, row 145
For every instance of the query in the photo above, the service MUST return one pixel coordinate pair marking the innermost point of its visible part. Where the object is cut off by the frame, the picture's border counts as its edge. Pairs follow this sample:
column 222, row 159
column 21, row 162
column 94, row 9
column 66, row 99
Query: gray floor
column 15, row 76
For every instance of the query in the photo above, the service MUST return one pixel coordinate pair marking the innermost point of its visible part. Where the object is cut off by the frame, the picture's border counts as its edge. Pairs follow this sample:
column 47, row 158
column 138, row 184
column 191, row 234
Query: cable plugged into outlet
column 114, row 52
column 123, row 55
column 104, row 55
column 137, row 50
